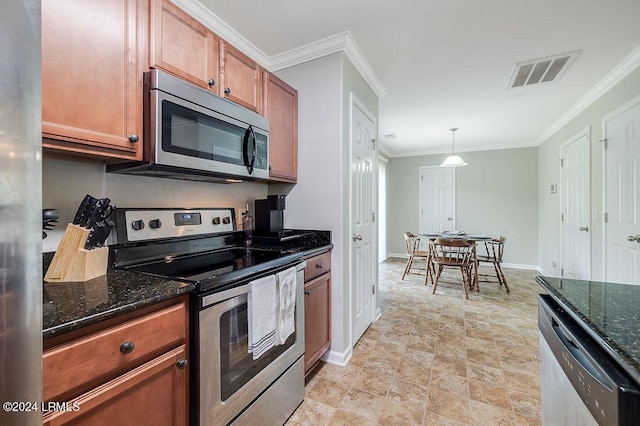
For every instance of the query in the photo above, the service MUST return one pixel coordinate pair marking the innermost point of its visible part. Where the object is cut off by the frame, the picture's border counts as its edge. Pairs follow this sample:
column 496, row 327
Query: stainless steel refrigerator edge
column 20, row 211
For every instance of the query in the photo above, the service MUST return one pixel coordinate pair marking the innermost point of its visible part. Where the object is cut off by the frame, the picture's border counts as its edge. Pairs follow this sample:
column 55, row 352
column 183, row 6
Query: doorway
column 364, row 267
column 622, row 174
column 437, row 199
column 576, row 203
column 382, row 210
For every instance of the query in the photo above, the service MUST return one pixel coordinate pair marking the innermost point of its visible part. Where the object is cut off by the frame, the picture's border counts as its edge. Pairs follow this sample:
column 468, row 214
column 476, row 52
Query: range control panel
column 152, row 224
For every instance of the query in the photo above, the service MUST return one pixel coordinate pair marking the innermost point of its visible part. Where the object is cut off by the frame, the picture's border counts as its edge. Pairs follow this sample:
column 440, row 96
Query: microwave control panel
column 153, row 224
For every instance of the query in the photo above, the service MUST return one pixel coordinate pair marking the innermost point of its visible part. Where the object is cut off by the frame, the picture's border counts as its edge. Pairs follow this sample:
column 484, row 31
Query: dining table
column 454, row 235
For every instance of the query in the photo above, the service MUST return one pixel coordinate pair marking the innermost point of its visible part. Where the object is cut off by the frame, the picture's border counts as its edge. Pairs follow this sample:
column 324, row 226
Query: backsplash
column 65, row 183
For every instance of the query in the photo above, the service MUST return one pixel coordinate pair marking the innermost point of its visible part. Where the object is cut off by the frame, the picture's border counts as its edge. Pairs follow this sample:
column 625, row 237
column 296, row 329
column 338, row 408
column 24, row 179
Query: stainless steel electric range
column 202, row 246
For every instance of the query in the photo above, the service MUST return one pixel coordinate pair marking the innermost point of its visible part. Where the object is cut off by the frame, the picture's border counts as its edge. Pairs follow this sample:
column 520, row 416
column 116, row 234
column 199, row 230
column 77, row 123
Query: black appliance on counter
column 203, row 247
column 270, row 215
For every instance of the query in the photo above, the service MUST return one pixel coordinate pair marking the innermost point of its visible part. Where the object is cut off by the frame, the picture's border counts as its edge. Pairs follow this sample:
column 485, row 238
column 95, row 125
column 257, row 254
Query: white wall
column 496, row 194
column 320, row 199
column 549, row 173
column 65, row 183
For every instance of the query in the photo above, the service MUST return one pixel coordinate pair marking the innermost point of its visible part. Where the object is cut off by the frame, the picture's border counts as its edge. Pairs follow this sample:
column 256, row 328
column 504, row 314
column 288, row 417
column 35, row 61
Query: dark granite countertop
column 69, row 306
column 609, row 312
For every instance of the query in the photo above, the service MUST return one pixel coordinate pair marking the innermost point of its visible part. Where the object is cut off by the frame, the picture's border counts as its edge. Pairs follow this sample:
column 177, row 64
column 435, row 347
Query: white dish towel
column 286, row 304
column 262, row 304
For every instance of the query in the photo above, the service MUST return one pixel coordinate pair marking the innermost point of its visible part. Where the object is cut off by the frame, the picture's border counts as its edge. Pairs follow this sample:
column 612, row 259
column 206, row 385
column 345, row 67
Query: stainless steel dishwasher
column 580, row 384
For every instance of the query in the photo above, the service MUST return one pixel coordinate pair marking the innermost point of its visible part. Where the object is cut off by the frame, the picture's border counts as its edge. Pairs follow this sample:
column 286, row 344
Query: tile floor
column 436, row 359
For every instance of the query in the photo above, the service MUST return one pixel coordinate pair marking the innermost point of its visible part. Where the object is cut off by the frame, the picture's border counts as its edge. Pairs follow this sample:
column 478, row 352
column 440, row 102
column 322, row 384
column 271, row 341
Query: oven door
column 229, row 378
column 191, row 136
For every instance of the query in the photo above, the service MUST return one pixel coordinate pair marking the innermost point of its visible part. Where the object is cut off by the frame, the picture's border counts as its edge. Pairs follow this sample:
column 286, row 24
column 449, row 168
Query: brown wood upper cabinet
column 281, row 108
column 183, row 46
column 92, row 62
column 240, row 78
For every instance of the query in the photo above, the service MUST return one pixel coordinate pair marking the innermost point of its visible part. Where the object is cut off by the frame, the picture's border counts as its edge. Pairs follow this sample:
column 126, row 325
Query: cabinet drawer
column 72, row 364
column 317, row 265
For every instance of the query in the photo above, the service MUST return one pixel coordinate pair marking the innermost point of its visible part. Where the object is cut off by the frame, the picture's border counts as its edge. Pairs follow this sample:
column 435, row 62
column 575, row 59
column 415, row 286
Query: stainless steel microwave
column 190, row 133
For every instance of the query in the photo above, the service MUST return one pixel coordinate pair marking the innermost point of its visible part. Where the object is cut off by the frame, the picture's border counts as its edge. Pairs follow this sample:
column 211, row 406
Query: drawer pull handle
column 307, row 292
column 319, row 265
column 181, row 363
column 127, row 347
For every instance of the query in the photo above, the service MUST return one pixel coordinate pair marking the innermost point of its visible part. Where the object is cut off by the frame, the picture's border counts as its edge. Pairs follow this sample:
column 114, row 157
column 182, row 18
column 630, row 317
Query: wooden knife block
column 72, row 262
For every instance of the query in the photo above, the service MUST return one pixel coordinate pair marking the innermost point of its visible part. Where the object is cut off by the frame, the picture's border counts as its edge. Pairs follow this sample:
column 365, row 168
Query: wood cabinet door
column 241, row 78
column 183, row 46
column 92, row 76
column 317, row 319
column 156, row 393
column 281, row 108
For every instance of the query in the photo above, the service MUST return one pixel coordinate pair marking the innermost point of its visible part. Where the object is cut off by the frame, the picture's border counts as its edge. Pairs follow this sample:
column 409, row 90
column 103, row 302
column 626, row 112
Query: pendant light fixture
column 453, row 160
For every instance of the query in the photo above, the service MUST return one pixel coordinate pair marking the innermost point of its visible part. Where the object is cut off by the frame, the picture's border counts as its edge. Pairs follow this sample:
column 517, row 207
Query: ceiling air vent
column 542, row 70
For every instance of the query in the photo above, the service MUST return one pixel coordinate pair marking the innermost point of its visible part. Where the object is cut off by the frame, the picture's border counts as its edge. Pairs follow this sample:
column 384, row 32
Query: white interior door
column 382, row 210
column 575, row 188
column 437, row 199
column 364, row 264
column 622, row 131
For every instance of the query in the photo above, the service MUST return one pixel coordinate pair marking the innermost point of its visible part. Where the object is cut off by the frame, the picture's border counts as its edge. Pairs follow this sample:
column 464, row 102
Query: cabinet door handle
column 227, row 90
column 211, row 82
column 133, row 138
column 127, row 347
column 181, row 363
column 357, row 237
column 584, row 228
column 319, row 265
column 307, row 292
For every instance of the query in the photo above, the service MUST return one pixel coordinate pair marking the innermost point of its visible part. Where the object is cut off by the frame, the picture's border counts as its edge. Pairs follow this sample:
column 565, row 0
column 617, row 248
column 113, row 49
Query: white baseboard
column 520, row 266
column 338, row 358
column 397, row 255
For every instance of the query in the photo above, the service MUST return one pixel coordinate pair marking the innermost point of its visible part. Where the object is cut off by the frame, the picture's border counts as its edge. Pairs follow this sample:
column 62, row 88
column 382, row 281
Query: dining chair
column 494, row 249
column 413, row 244
column 455, row 253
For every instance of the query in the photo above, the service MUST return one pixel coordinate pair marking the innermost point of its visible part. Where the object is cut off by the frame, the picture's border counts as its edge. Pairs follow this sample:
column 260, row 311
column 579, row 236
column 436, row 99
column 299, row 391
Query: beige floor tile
column 406, row 391
column 311, row 412
column 449, row 382
column 436, row 359
column 482, row 414
column 490, row 394
column 450, row 365
column 383, row 363
column 345, row 418
column 328, row 392
column 448, row 405
column 525, row 404
column 401, row 413
column 362, row 404
column 372, row 382
column 434, row 419
column 483, row 358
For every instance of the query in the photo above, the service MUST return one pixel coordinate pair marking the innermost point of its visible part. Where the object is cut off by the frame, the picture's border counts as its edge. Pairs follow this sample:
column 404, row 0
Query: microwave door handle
column 245, row 149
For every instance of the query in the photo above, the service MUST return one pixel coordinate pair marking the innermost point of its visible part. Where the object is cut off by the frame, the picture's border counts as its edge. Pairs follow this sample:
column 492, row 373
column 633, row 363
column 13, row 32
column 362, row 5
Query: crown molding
column 623, row 69
column 445, row 151
column 342, row 42
column 224, row 30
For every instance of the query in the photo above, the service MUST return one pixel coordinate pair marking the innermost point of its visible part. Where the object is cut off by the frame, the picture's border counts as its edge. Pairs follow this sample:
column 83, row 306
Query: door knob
column 449, row 218
column 584, row 228
column 635, row 238
column 357, row 237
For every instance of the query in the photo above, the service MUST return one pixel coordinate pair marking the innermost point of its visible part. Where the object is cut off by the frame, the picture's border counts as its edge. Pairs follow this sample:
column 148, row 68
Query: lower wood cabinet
column 317, row 309
column 130, row 372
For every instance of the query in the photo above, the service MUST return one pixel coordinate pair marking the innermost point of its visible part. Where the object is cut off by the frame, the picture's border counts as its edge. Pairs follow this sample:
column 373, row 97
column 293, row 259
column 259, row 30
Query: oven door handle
column 249, row 163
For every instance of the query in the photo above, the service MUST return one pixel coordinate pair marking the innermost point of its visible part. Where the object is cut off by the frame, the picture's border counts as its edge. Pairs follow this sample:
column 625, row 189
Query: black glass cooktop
column 214, row 268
